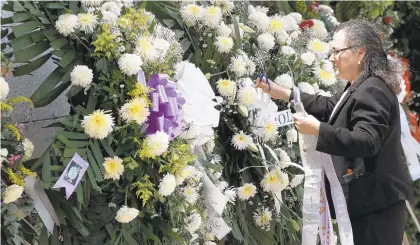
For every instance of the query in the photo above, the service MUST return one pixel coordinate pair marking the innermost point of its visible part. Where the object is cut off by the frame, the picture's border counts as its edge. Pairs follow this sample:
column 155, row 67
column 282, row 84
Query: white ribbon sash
column 410, row 147
column 316, row 212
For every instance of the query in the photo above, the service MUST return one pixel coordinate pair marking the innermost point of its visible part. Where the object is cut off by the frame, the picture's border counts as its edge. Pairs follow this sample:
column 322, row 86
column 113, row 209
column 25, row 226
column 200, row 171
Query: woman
column 361, row 130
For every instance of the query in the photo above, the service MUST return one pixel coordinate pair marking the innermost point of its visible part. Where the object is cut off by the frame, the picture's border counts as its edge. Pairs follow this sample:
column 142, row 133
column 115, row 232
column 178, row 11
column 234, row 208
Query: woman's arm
column 319, row 106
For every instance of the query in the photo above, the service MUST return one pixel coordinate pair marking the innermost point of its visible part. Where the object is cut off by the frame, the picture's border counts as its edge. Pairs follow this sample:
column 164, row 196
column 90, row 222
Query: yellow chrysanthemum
column 247, row 191
column 113, row 167
column 136, row 110
column 276, row 25
column 319, row 47
column 98, row 124
column 226, row 87
column 275, row 181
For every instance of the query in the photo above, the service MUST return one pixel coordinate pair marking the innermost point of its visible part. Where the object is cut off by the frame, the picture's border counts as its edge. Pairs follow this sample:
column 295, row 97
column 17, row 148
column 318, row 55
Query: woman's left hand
column 306, row 124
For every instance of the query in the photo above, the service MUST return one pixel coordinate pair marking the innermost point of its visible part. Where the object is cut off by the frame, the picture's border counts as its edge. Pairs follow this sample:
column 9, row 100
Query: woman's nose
column 331, row 58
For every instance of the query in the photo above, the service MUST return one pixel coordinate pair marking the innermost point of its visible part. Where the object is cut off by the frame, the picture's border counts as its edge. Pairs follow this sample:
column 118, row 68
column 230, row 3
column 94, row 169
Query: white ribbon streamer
column 315, row 220
column 410, row 147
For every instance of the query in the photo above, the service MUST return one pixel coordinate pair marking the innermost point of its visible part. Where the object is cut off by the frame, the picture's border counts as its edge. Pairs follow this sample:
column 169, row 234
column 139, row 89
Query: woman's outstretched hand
column 276, row 91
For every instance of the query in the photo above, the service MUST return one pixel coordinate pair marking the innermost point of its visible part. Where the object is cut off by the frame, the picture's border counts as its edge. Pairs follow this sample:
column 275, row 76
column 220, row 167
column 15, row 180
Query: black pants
column 382, row 227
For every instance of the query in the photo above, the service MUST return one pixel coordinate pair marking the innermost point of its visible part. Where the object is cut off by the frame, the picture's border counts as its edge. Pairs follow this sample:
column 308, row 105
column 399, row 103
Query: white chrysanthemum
column 130, row 64
column 223, row 30
column 247, row 96
column 307, row 58
column 146, row 49
column 3, row 155
column 112, row 7
column 113, row 168
column 125, row 3
column 222, row 185
column 135, row 110
column 275, row 181
column 157, row 143
column 184, row 173
column 162, row 47
column 284, row 80
column 4, row 88
column 226, row 5
column 319, row 30
column 241, row 141
column 212, row 16
column 295, row 35
column 318, row 47
column 324, row 93
column 263, row 218
column 230, row 194
column 98, row 125
column 287, row 51
column 258, row 18
column 66, row 24
column 28, row 148
column 284, row 157
column 247, row 191
column 126, row 214
column 266, row 41
column 292, row 24
column 296, row 16
column 87, row 22
column 297, row 180
column 81, row 75
column 167, row 185
column 12, row 193
column 195, row 176
column 325, row 9
column 92, row 3
column 224, row 44
column 190, row 193
column 246, row 82
column 226, row 87
column 277, row 24
column 210, row 243
column 193, row 221
column 325, row 73
column 192, row 13
column 292, row 135
column 269, row 130
column 109, row 18
column 283, row 38
column 333, row 20
column 241, row 65
column 306, row 88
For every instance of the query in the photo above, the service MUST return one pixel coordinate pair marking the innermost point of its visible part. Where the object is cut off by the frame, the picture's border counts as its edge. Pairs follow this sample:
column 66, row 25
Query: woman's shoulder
column 375, row 83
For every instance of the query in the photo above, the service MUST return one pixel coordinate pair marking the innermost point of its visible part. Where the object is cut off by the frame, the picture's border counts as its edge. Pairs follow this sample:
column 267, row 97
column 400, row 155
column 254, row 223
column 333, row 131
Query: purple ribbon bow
column 166, row 110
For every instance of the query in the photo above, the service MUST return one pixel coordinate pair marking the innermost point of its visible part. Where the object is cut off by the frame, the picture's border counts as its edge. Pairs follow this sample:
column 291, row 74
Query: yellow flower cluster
column 105, row 44
column 135, row 19
column 144, row 189
column 26, row 172
column 14, row 178
column 139, row 91
column 14, row 131
column 146, row 152
column 178, row 156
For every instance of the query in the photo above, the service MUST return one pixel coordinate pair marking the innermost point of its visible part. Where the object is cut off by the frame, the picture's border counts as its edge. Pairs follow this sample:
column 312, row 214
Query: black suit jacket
column 363, row 135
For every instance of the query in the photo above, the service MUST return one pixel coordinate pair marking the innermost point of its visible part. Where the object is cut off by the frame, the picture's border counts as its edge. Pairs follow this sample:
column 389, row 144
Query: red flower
column 387, row 20
column 306, row 24
column 12, row 159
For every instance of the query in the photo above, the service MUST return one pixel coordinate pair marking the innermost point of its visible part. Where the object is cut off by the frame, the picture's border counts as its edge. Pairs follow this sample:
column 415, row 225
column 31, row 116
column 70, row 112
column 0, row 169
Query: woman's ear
column 361, row 53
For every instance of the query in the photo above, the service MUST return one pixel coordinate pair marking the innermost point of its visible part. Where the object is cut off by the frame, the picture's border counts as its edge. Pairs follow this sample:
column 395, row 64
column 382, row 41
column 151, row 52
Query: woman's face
column 345, row 60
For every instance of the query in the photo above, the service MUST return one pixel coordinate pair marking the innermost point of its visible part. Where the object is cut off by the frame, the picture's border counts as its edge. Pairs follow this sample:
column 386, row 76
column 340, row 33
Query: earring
column 358, row 62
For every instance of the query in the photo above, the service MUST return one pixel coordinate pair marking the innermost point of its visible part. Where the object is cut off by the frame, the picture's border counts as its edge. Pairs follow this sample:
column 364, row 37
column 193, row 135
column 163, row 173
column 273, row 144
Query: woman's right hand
column 276, row 91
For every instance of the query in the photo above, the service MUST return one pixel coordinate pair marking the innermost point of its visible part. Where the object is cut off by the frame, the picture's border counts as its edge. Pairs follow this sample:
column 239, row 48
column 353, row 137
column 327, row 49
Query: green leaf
column 107, row 148
column 96, row 150
column 91, row 177
column 20, row 17
column 24, row 41
column 69, row 152
column 17, row 7
column 95, row 167
column 149, row 234
column 67, row 58
column 55, row 5
column 237, row 32
column 28, row 68
column 169, row 23
column 90, row 107
column 131, row 163
column 50, row 34
column 44, row 20
column 73, row 6
column 57, row 44
column 30, row 52
column 79, row 193
column 295, row 225
column 52, row 95
column 102, row 65
column 73, row 135
column 46, row 169
column 129, row 239
column 74, row 220
column 25, row 28
column 65, row 141
column 185, row 44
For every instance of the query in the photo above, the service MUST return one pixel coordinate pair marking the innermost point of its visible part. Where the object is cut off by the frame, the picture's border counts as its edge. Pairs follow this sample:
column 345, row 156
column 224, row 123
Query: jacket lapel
column 351, row 88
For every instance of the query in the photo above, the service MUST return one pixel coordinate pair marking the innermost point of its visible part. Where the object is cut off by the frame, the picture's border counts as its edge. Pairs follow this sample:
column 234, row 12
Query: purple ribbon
column 166, row 110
